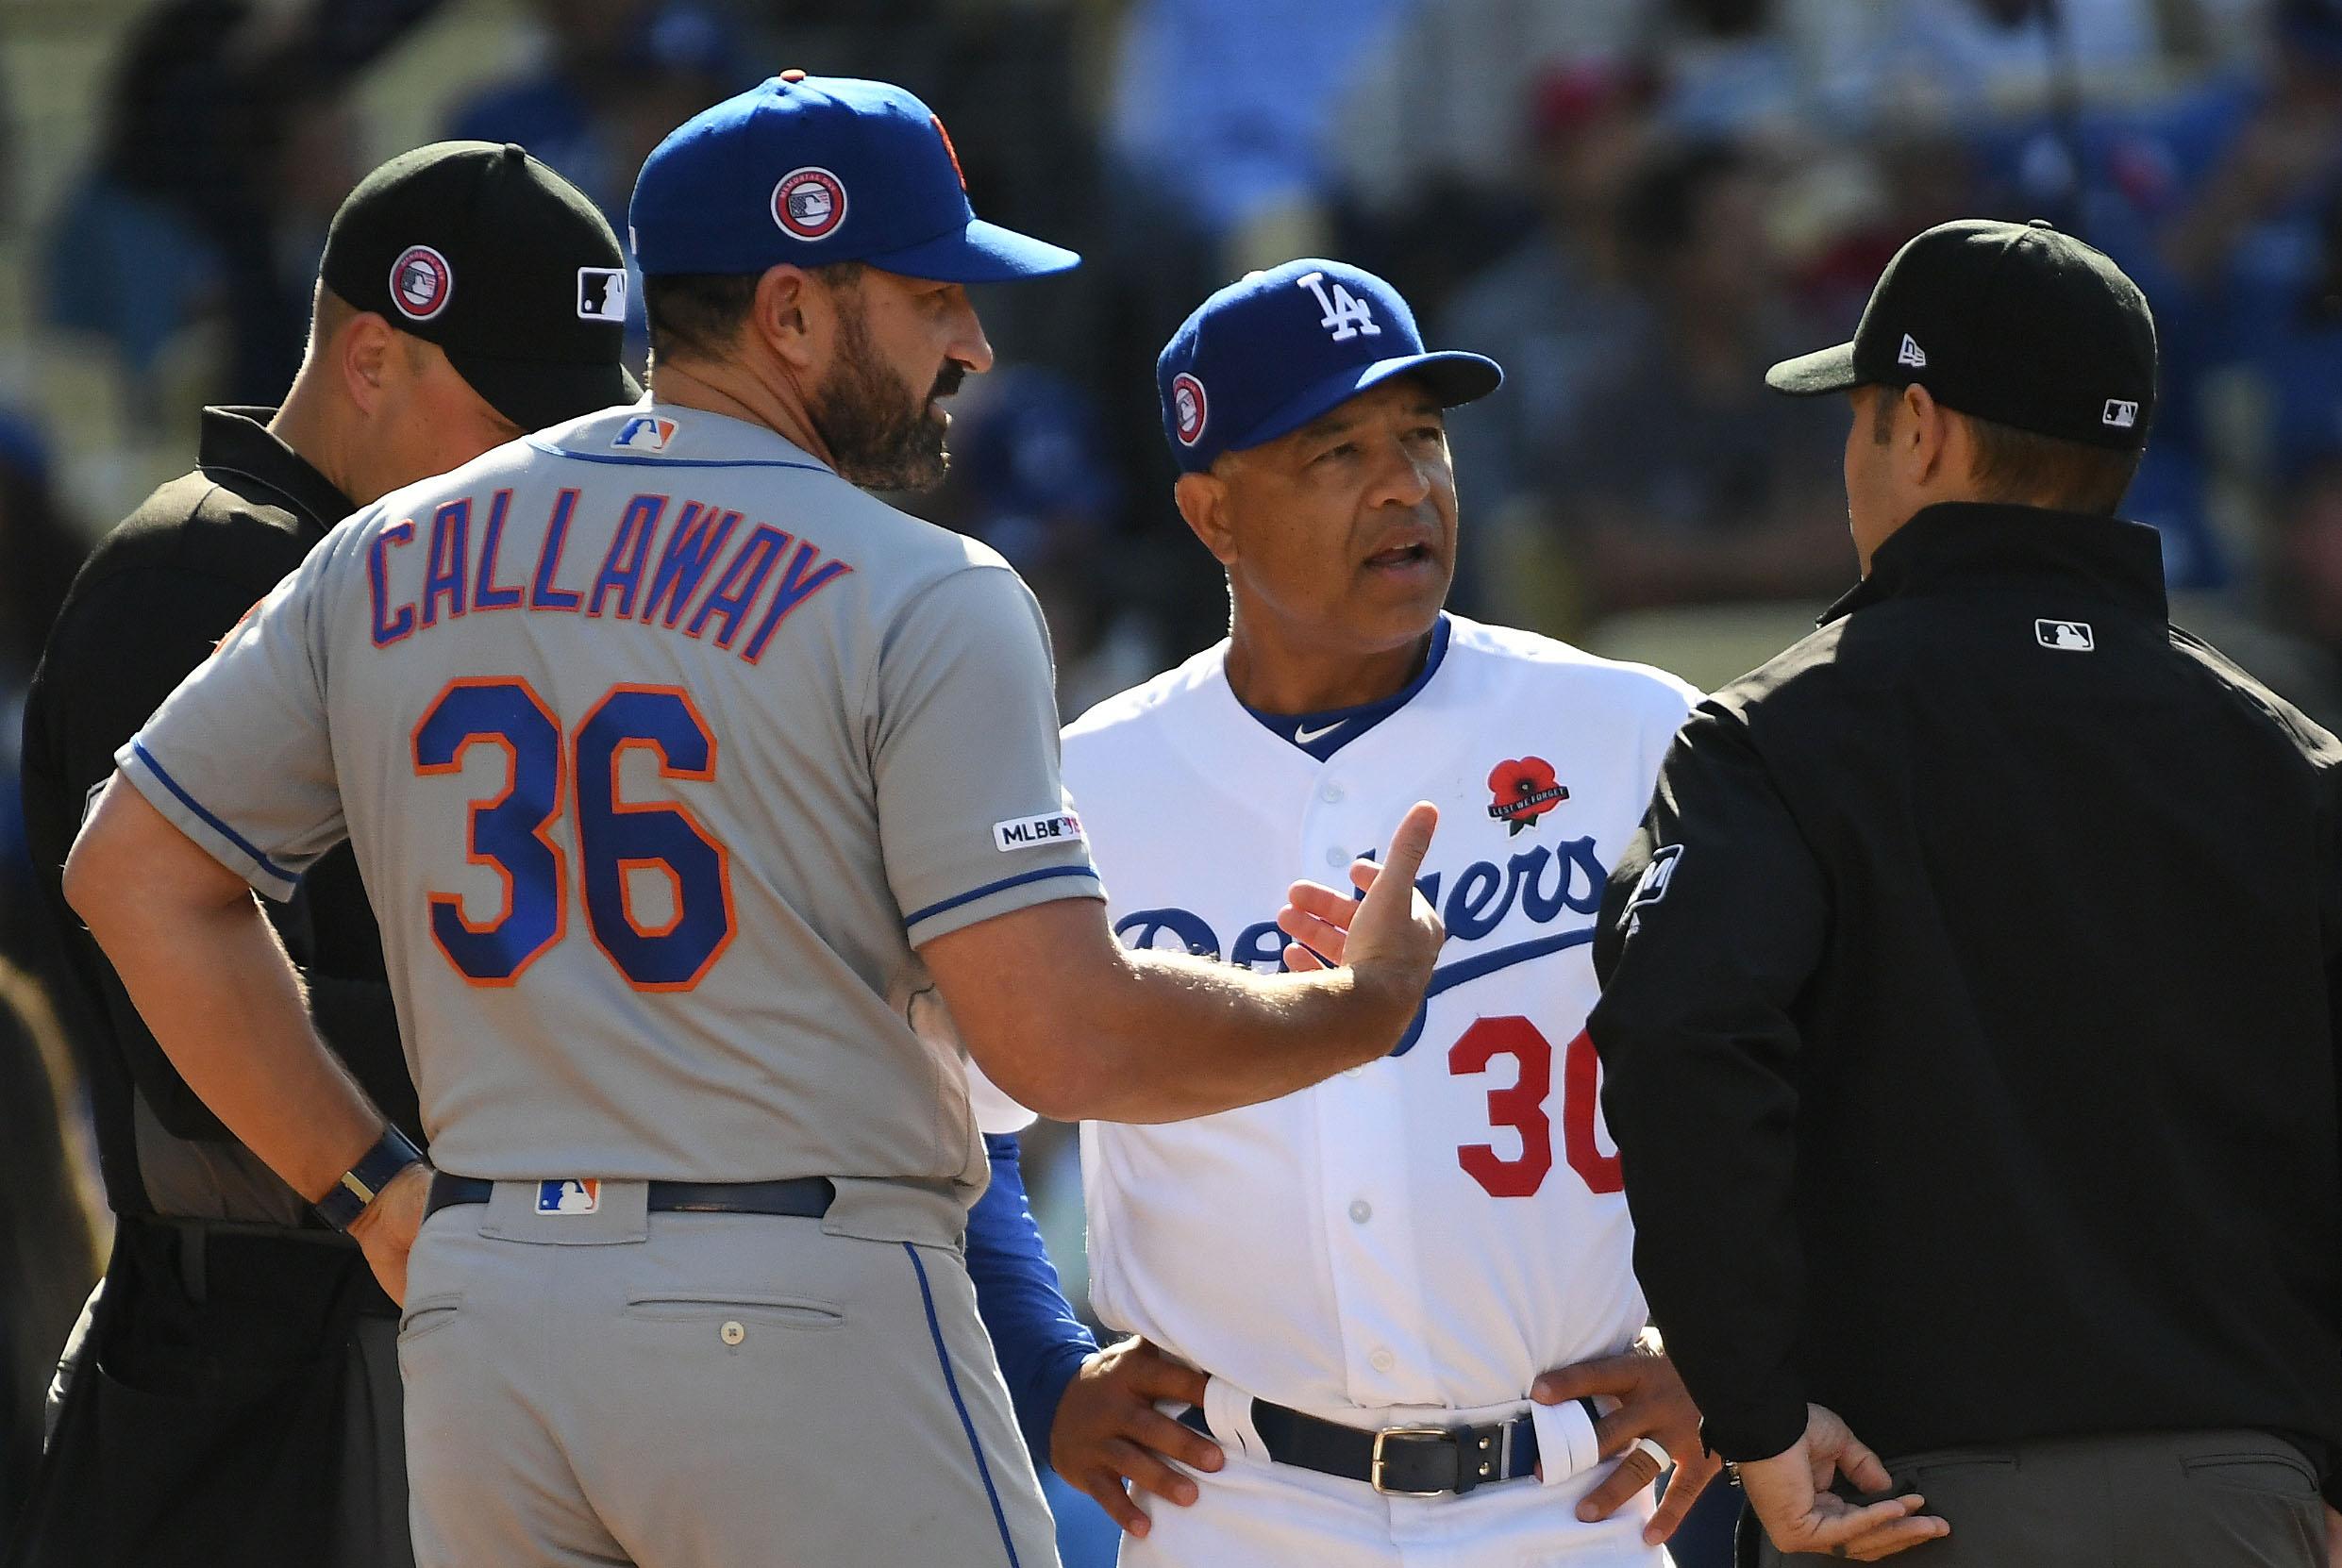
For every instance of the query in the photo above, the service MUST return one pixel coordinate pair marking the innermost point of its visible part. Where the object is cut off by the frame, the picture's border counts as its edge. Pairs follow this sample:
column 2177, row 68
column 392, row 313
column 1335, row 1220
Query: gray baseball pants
column 706, row 1391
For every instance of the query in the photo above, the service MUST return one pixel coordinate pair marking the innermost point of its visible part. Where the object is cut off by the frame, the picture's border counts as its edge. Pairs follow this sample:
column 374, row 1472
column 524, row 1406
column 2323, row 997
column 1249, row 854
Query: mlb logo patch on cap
column 602, row 293
column 575, row 1196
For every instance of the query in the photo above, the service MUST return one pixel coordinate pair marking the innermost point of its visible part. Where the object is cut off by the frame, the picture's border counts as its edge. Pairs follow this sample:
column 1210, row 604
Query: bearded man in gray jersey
column 687, row 919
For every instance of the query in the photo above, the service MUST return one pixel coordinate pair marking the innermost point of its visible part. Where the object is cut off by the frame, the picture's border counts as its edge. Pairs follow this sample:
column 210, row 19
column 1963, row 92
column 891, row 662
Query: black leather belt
column 1399, row 1461
column 807, row 1197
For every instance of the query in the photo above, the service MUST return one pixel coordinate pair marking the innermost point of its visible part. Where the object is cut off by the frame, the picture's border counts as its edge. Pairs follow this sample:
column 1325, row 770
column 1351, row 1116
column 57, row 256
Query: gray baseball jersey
column 660, row 747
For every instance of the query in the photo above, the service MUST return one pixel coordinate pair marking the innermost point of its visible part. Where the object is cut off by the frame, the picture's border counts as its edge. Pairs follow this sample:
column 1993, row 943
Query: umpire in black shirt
column 1969, row 1021
column 235, row 1399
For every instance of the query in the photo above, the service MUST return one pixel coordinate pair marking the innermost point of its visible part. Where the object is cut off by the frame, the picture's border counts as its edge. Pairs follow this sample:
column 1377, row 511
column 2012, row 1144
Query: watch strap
column 350, row 1196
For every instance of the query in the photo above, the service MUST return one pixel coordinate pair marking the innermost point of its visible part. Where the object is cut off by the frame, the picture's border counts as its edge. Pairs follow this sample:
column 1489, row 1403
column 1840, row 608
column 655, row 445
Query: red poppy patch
column 1525, row 790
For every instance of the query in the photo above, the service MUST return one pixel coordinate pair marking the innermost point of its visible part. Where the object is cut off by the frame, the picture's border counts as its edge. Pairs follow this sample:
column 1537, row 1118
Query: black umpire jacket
column 1969, row 1021
column 222, row 1410
column 148, row 607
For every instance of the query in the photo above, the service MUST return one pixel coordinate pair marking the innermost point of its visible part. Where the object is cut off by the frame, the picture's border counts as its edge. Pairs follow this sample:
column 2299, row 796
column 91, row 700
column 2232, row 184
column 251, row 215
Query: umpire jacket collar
column 237, row 444
column 1967, row 541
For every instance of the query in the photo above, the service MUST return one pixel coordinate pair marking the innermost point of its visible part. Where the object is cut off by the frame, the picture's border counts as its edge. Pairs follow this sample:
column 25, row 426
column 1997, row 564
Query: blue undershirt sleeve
column 1040, row 1341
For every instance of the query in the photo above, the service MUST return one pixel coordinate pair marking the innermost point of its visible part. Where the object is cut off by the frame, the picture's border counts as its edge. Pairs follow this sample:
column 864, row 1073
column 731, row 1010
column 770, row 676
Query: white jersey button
column 1336, row 858
column 1360, row 1210
column 732, row 1332
column 1381, row 1360
column 1331, row 794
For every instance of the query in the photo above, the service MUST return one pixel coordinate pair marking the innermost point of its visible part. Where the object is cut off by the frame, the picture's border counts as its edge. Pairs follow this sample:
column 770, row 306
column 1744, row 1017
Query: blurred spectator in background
column 1732, row 71
column 1563, row 309
column 1677, row 483
column 1226, row 105
column 1029, row 477
column 227, row 144
column 48, row 1252
column 609, row 80
column 2305, row 582
column 39, row 551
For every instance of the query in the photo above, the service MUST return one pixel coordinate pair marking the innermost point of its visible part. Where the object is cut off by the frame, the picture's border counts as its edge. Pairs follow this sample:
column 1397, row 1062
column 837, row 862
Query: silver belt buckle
column 1374, row 1467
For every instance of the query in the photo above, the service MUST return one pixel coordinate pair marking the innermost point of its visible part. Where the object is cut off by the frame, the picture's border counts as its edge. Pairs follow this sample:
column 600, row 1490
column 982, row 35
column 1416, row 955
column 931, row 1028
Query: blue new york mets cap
column 813, row 170
column 1275, row 349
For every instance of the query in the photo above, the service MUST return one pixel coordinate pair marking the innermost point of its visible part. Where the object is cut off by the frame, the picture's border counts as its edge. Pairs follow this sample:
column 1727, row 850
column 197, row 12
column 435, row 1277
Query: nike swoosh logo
column 1448, row 976
column 1306, row 737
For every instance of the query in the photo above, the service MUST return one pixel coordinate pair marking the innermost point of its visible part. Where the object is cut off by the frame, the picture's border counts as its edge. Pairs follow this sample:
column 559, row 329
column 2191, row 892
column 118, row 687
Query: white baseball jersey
column 663, row 748
column 1437, row 1227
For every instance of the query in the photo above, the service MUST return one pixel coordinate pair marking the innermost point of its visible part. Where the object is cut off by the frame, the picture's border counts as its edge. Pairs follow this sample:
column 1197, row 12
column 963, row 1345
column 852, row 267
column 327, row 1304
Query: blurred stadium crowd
column 1635, row 205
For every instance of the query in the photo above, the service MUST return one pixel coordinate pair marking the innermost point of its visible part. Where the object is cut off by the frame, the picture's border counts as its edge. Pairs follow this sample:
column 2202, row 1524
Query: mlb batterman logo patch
column 645, row 433
column 602, row 293
column 421, row 283
column 809, row 203
column 576, row 1195
column 1525, row 790
column 1188, row 408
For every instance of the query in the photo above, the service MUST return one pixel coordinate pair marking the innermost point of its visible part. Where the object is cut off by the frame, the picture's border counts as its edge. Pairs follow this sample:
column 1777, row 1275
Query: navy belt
column 807, row 1197
column 1399, row 1461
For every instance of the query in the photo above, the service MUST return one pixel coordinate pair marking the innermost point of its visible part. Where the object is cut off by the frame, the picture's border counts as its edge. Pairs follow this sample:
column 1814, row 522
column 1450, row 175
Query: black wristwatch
column 350, row 1196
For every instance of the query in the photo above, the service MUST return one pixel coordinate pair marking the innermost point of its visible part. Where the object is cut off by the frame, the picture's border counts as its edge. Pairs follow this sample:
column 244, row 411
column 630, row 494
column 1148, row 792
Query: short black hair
column 2025, row 468
column 701, row 312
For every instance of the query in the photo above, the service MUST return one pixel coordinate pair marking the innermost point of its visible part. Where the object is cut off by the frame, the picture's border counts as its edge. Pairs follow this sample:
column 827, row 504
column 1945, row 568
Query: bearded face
column 882, row 432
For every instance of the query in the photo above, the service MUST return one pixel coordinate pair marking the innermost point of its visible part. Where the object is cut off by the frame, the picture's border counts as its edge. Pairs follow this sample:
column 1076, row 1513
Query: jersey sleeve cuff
column 1756, row 1430
column 199, row 822
column 1043, row 885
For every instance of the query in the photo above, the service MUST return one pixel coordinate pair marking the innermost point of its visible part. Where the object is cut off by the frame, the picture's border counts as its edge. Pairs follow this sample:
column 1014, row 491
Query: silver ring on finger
column 1658, row 1455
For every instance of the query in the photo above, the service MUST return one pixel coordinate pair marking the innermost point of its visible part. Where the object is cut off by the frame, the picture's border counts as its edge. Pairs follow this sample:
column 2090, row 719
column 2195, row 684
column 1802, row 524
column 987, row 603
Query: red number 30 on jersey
column 1521, row 1107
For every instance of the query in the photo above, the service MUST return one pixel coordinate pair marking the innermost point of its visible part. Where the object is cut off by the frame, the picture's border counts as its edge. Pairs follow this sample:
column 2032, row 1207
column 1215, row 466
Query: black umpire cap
column 504, row 264
column 2013, row 323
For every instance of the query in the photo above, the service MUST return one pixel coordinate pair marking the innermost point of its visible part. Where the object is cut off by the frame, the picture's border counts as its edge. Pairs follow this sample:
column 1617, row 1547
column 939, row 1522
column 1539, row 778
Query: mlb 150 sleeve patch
column 1037, row 832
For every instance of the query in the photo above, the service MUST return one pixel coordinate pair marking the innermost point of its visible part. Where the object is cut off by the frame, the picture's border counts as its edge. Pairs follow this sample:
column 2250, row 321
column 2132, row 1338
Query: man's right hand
column 386, row 1231
column 1109, row 1440
column 2334, row 1538
column 1791, row 1497
column 1391, row 937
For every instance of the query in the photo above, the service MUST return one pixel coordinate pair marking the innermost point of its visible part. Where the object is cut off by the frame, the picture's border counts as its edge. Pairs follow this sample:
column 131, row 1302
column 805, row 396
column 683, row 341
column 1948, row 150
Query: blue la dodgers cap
column 1275, row 349
column 814, row 169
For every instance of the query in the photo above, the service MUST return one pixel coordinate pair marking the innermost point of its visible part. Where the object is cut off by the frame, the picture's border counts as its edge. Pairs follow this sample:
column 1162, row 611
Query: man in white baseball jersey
column 679, row 770
column 1380, row 1273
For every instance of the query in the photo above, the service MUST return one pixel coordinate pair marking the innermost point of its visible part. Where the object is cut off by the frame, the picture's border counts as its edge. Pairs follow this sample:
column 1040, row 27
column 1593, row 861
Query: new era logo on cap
column 1911, row 354
column 2120, row 414
column 602, row 293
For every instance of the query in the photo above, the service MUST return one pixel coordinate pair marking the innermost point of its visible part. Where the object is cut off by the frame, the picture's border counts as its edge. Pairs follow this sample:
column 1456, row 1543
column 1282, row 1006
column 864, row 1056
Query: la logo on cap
column 421, row 283
column 1188, row 408
column 809, row 203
